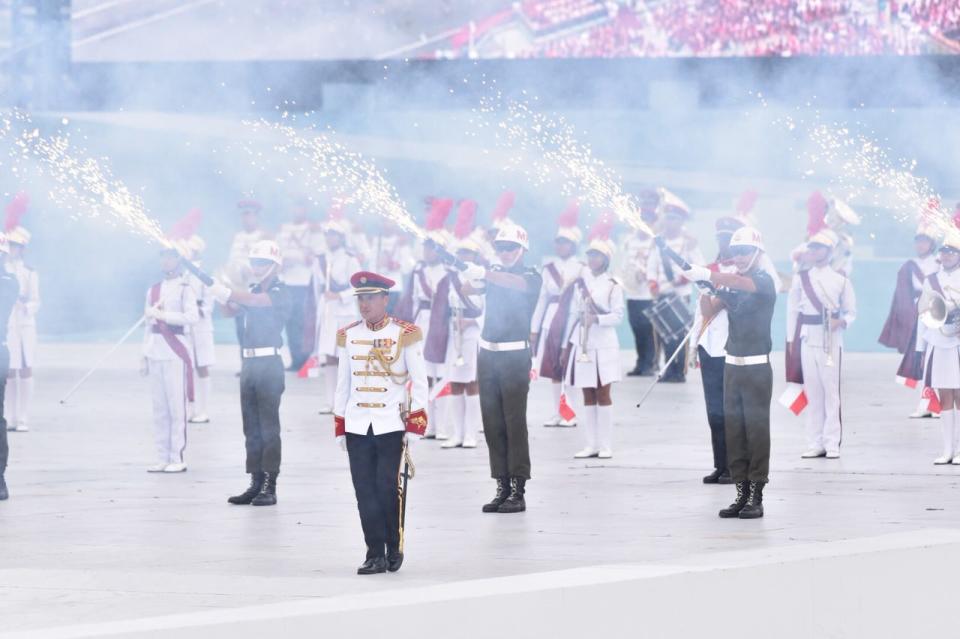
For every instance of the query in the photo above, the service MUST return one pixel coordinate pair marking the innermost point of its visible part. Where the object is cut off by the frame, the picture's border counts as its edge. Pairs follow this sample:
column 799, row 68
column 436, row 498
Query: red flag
column 794, row 398
column 310, row 368
column 933, row 402
column 564, row 409
column 440, row 391
column 907, row 381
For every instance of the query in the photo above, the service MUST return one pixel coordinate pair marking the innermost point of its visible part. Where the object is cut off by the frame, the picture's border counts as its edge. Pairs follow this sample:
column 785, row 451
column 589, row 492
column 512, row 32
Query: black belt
column 811, row 319
column 176, row 330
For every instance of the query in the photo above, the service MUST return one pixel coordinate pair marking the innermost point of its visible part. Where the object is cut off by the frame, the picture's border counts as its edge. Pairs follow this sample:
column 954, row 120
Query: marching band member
column 336, row 307
column 203, row 349
column 21, row 332
column 237, row 269
column 395, row 260
column 820, row 306
column 817, row 206
column 635, row 252
column 664, row 278
column 749, row 297
column 941, row 366
column 455, row 344
column 294, row 239
column 375, row 417
column 503, row 364
column 171, row 310
column 426, row 277
column 899, row 331
column 8, row 297
column 593, row 360
column 263, row 309
column 558, row 273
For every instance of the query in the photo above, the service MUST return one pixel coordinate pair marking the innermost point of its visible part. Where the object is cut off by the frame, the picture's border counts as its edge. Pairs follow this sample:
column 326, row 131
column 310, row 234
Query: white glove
column 153, row 312
column 342, row 442
column 473, row 272
column 697, row 273
column 220, row 291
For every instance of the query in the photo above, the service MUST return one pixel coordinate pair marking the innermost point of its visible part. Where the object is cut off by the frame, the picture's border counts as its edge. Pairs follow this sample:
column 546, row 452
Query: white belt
column 504, row 346
column 265, row 351
column 749, row 360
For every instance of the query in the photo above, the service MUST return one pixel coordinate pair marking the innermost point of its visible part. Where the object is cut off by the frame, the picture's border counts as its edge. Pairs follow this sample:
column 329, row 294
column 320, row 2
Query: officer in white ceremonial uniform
column 558, row 273
column 375, row 416
column 202, row 348
column 336, row 306
column 426, row 277
column 294, row 239
column 593, row 364
column 634, row 253
column 21, row 333
column 460, row 366
column 820, row 306
column 171, row 310
column 938, row 348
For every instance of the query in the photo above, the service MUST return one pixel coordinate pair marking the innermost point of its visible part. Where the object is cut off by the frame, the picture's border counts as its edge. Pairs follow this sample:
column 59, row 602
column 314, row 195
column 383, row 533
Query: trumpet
column 458, row 335
column 584, row 328
column 935, row 312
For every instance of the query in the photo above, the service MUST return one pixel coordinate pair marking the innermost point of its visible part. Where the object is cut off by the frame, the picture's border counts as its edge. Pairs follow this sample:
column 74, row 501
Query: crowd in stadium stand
column 735, row 28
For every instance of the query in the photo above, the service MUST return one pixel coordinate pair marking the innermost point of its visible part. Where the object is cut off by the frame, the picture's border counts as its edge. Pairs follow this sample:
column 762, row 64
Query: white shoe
column 605, row 454
column 920, row 414
column 943, row 459
column 586, row 453
column 200, row 419
column 553, row 421
column 175, row 468
column 326, row 409
column 956, row 460
column 451, row 443
column 440, row 437
column 814, row 453
column 833, row 454
column 156, row 468
column 21, row 428
column 934, row 415
column 567, row 423
column 469, row 443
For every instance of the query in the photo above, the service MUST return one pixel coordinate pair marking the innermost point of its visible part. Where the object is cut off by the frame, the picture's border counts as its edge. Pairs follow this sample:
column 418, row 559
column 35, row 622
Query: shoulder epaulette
column 410, row 333
column 342, row 333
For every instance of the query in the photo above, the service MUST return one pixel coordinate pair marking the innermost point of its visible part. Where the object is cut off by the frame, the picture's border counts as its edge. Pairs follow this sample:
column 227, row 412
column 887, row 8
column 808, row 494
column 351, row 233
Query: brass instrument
column 584, row 327
column 830, row 311
column 939, row 312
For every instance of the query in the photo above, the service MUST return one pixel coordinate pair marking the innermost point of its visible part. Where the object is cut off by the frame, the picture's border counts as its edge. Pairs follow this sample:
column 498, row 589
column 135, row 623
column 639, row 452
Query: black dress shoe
column 725, row 478
column 373, row 566
column 713, row 478
column 394, row 560
column 636, row 372
column 3, row 489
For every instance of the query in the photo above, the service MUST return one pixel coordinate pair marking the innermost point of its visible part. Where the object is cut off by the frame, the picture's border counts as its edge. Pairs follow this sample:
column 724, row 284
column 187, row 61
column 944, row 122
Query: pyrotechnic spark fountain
column 545, row 149
column 322, row 164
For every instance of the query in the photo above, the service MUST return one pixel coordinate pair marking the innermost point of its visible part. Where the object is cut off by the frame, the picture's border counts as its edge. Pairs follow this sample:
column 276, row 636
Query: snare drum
column 671, row 317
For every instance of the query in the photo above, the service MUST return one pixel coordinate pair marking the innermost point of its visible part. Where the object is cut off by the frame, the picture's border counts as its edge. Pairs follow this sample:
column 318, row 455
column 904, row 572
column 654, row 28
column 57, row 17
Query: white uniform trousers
column 821, row 384
column 22, row 342
column 168, row 381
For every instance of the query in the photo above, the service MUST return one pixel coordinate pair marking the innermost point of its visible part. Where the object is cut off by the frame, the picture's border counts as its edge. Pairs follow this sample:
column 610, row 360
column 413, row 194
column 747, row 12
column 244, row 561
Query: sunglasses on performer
column 505, row 247
column 738, row 251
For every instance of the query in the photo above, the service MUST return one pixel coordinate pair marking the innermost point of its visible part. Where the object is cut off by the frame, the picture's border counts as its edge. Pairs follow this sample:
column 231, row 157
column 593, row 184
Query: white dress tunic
column 942, row 351
column 334, row 314
column 22, row 329
column 602, row 347
column 469, row 342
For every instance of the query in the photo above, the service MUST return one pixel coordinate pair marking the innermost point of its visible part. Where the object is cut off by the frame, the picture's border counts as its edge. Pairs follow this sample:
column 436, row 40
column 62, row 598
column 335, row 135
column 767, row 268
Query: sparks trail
column 319, row 164
column 545, row 150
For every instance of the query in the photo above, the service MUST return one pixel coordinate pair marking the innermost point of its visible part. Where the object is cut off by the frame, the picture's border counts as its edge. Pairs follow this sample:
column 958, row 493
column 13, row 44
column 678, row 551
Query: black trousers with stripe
column 375, row 469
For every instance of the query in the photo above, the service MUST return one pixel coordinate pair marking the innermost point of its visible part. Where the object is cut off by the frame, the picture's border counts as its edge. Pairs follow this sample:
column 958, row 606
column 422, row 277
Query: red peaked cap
column 437, row 215
column 466, row 219
column 503, row 206
column 570, row 215
column 371, row 280
column 747, row 199
column 186, row 226
column 15, row 210
column 602, row 227
column 816, row 213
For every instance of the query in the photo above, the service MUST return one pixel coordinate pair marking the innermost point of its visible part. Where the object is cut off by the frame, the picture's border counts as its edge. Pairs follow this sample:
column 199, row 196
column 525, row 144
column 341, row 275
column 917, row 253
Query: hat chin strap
column 270, row 273
column 753, row 261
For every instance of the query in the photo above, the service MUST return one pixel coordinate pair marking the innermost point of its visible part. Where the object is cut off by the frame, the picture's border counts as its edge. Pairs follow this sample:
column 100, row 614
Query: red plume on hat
column 570, row 215
column 437, row 214
column 602, row 228
column 466, row 219
column 747, row 199
column 503, row 206
column 15, row 210
column 186, row 226
column 816, row 213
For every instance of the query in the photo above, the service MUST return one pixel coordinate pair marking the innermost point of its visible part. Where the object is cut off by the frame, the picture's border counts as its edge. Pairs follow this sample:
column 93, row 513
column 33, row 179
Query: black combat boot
column 503, row 491
column 3, row 488
column 373, row 566
column 514, row 502
column 244, row 498
column 754, row 507
column 733, row 510
column 268, row 492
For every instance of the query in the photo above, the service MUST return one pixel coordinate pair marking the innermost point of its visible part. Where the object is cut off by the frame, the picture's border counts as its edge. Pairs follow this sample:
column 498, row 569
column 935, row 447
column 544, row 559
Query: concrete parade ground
column 92, row 545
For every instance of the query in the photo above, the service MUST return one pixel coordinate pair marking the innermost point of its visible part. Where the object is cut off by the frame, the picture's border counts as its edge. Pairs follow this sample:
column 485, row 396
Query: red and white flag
column 564, row 410
column 310, row 368
column 794, row 398
column 933, row 402
column 909, row 382
column 440, row 390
